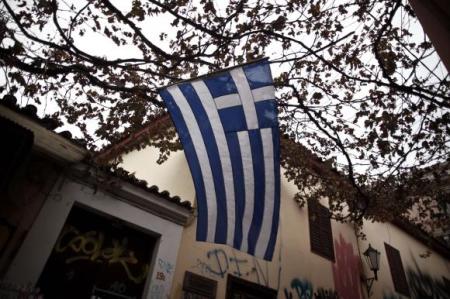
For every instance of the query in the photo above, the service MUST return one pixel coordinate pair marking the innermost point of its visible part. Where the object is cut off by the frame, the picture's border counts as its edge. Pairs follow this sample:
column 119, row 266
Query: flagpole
column 213, row 73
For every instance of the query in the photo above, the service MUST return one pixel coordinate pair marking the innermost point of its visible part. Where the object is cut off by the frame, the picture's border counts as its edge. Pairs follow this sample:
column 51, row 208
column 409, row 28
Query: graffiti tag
column 218, row 264
column 90, row 246
column 166, row 266
column 424, row 286
column 303, row 289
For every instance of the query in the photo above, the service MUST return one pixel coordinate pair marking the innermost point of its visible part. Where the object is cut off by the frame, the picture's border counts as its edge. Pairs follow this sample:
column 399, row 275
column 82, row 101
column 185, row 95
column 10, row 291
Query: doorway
column 97, row 256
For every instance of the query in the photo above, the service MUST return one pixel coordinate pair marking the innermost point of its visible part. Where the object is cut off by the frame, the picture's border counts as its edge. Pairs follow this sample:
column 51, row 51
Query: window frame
column 242, row 283
column 320, row 230
column 198, row 286
column 397, row 270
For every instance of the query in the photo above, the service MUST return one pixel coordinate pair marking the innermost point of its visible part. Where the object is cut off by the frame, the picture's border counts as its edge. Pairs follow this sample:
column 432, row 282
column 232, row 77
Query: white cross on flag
column 227, row 123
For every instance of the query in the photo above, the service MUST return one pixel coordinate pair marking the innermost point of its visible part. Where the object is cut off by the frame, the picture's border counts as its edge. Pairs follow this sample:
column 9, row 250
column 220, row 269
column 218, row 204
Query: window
column 397, row 271
column 320, row 234
column 198, row 287
column 97, row 256
column 238, row 288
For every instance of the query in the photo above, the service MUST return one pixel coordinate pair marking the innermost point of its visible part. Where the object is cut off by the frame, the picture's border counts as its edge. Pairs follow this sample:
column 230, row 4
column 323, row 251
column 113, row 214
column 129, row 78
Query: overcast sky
column 152, row 27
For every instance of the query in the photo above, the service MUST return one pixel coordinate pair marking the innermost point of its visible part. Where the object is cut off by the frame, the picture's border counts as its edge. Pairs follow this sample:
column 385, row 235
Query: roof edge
column 421, row 236
column 138, row 194
column 132, row 139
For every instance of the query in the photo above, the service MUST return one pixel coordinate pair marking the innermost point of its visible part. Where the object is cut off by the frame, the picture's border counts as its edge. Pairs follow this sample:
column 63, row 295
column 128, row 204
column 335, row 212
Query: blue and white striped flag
column 227, row 123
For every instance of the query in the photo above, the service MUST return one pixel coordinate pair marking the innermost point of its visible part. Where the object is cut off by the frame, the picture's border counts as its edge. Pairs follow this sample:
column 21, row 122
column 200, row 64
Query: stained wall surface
column 295, row 271
column 29, row 262
column 20, row 204
column 427, row 276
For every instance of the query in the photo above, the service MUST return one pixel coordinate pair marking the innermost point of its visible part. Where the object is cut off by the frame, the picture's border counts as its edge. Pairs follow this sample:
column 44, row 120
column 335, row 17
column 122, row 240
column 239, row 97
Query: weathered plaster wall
column 21, row 203
column 173, row 175
column 424, row 274
column 295, row 271
column 30, row 260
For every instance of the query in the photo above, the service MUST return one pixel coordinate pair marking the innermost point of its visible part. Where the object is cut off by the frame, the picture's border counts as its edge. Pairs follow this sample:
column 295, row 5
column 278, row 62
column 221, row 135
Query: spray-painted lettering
column 424, row 286
column 166, row 266
column 90, row 246
column 326, row 294
column 217, row 264
column 301, row 287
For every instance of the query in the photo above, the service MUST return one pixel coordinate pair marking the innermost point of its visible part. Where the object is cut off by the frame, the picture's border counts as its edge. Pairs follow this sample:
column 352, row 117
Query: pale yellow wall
column 292, row 261
column 293, row 264
column 417, row 268
column 173, row 175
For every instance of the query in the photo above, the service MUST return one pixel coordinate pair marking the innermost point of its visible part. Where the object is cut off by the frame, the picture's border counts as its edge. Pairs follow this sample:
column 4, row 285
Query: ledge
column 146, row 200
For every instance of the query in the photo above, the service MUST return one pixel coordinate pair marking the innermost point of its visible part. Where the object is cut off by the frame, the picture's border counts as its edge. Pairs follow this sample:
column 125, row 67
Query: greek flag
column 227, row 123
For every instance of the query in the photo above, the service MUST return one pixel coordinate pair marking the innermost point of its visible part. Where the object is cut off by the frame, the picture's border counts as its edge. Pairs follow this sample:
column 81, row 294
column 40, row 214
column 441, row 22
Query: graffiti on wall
column 346, row 270
column 326, row 294
column 13, row 290
column 90, row 246
column 302, row 288
column 165, row 269
column 422, row 285
column 391, row 296
column 218, row 263
column 165, row 266
column 163, row 273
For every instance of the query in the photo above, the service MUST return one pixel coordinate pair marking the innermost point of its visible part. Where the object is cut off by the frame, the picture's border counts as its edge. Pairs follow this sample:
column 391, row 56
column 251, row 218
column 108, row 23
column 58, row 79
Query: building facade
column 77, row 230
column 314, row 257
column 72, row 230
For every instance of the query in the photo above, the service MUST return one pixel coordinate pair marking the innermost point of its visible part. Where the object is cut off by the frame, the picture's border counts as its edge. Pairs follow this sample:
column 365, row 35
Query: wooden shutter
column 320, row 233
column 238, row 288
column 198, row 287
column 397, row 271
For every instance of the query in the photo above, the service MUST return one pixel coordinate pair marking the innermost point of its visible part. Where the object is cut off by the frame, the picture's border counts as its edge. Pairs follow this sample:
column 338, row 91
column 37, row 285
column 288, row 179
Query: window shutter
column 238, row 288
column 397, row 271
column 198, row 287
column 320, row 233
